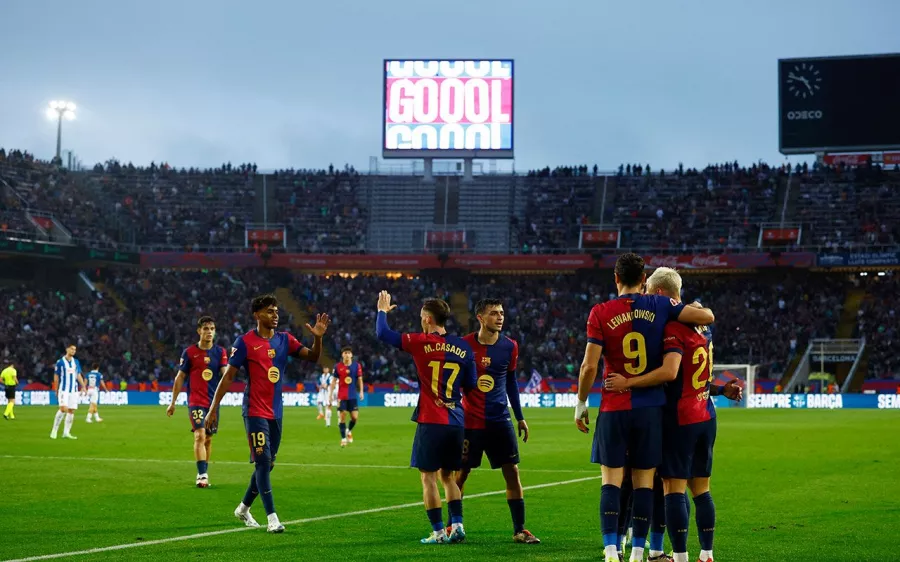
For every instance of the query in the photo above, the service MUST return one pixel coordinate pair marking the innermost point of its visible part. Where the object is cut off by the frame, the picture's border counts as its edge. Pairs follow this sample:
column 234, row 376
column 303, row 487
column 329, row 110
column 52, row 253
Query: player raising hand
column 444, row 364
column 262, row 354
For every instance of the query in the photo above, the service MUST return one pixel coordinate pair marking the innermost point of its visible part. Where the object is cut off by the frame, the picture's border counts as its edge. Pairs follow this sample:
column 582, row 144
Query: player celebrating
column 323, row 398
column 201, row 367
column 69, row 382
column 10, row 380
column 444, row 364
column 263, row 354
column 348, row 377
column 488, row 426
column 689, row 429
column 95, row 383
column 628, row 333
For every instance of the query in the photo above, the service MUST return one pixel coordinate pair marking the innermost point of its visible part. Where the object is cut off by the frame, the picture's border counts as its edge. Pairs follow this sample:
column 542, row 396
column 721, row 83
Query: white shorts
column 322, row 398
column 68, row 399
column 93, row 395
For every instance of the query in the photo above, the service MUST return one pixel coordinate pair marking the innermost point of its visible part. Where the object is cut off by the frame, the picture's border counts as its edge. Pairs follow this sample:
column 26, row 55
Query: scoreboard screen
column 839, row 104
column 448, row 109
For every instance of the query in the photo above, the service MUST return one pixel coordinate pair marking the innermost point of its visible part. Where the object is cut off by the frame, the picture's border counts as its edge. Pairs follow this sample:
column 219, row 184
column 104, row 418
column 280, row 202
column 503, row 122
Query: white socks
column 57, row 420
column 705, row 555
column 273, row 519
column 70, row 419
column 637, row 554
column 655, row 553
column 612, row 553
column 243, row 508
column 680, row 556
column 328, row 417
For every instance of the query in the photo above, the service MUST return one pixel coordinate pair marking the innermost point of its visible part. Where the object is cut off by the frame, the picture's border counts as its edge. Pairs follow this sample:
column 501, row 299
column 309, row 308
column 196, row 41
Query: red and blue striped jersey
column 496, row 387
column 445, row 364
column 348, row 377
column 688, row 395
column 203, row 368
column 630, row 329
column 264, row 361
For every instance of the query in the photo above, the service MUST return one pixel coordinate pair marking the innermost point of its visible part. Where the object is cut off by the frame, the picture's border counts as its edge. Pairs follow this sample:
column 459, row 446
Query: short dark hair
column 630, row 269
column 346, row 348
column 438, row 309
column 96, row 366
column 262, row 302
column 483, row 304
column 72, row 344
column 205, row 320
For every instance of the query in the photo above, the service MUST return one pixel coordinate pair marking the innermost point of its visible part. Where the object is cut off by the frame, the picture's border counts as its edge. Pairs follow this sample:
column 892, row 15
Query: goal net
column 745, row 374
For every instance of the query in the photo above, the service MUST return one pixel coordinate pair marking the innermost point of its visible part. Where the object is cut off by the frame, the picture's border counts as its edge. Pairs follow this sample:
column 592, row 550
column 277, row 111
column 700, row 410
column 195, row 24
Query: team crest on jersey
column 271, row 354
column 274, row 374
column 485, row 383
column 207, row 375
column 485, row 361
column 206, row 359
column 347, row 380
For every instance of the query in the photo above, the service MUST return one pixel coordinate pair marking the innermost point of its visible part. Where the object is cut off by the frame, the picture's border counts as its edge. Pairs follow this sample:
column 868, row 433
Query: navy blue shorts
column 497, row 440
column 688, row 450
column 437, row 447
column 198, row 416
column 635, row 434
column 263, row 436
column 351, row 405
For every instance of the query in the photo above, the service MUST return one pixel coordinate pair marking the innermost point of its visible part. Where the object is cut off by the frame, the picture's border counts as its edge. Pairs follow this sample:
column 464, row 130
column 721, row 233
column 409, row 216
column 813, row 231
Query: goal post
column 745, row 374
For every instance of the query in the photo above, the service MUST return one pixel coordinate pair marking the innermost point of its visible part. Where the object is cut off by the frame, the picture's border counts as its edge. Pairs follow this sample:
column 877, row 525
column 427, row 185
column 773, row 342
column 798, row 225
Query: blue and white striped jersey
column 68, row 372
column 325, row 381
column 94, row 378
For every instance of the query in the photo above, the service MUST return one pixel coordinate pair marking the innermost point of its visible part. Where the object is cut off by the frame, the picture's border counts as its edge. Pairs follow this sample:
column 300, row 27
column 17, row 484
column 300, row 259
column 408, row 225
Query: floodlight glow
column 70, row 106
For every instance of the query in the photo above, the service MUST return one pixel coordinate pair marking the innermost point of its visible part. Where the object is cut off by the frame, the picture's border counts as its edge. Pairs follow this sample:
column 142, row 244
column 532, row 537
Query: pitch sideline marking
column 297, row 464
column 294, row 522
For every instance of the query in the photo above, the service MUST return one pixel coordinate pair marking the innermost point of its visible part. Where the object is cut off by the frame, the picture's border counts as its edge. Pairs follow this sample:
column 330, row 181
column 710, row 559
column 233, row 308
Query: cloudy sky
column 298, row 84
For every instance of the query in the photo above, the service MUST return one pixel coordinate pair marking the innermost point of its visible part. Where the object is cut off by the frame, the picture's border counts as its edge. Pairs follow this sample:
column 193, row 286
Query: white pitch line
column 294, row 522
column 297, row 464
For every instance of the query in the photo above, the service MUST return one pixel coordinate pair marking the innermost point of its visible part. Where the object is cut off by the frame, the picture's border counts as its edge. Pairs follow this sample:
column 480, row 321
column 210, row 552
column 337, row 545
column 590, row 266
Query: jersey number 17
column 436, row 369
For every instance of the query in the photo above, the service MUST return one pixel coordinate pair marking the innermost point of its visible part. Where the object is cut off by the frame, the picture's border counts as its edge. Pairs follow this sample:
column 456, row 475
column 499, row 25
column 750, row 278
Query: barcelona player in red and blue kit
column 689, row 420
column 628, row 333
column 199, row 371
column 445, row 365
column 348, row 376
column 489, row 429
column 263, row 355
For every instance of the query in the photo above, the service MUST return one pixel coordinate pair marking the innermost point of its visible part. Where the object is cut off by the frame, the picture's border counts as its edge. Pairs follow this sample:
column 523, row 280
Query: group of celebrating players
column 656, row 412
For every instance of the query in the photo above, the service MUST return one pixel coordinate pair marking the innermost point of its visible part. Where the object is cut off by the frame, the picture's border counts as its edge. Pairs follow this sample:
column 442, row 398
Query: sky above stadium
column 299, row 84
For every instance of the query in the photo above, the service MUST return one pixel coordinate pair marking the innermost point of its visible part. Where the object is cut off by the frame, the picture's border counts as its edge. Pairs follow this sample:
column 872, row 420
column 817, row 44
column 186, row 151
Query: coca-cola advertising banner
column 469, row 262
column 723, row 261
column 847, row 159
column 520, row 262
column 399, row 262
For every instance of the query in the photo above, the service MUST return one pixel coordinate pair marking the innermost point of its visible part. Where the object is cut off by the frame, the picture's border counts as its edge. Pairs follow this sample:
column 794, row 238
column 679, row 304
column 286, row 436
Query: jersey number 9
column 436, row 368
column 635, row 347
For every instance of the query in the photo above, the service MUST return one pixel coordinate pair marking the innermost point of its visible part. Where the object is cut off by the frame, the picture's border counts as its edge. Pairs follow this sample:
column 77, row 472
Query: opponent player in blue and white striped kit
column 69, row 382
column 95, row 383
column 323, row 398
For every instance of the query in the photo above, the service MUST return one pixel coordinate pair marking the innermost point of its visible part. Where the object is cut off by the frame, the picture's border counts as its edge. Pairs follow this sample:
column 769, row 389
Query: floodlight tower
column 60, row 110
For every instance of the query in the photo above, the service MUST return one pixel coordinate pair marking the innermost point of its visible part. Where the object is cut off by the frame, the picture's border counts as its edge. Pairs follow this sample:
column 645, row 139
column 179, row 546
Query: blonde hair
column 666, row 279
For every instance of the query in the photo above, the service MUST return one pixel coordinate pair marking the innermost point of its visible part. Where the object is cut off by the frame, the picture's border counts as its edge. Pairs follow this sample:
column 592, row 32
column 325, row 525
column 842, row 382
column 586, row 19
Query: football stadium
column 538, row 362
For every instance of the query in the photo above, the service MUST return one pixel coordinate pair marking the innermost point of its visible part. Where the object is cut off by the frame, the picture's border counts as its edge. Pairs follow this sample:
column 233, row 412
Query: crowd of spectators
column 322, row 210
column 878, row 320
column 761, row 319
column 719, row 208
column 37, row 325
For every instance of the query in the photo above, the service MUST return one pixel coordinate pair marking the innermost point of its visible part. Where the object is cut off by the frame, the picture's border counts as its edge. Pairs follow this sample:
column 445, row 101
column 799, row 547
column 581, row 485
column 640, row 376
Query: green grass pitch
column 788, row 485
